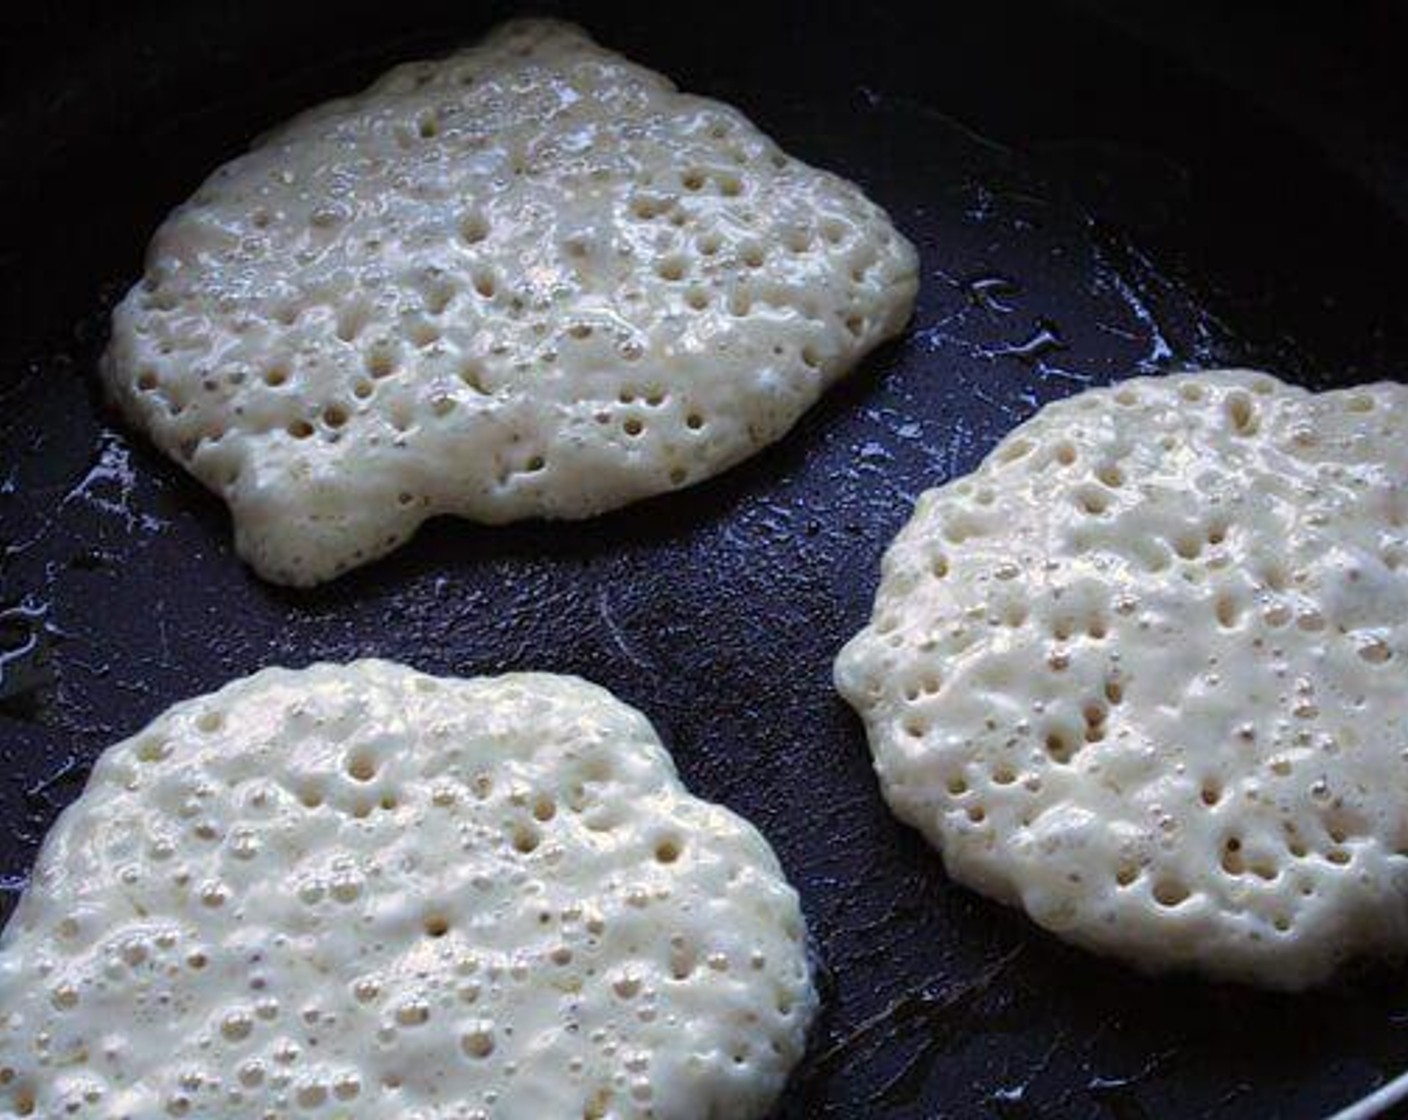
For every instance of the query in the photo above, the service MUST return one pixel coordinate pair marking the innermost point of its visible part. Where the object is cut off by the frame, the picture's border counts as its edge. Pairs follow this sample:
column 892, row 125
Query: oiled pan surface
column 1109, row 213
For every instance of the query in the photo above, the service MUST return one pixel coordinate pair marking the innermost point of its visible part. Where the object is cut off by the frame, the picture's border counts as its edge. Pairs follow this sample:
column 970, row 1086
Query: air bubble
column 346, row 1087
column 647, row 208
column 474, row 228
column 1094, row 722
column 683, row 959
column 436, row 925
column 472, row 374
column 423, row 334
column 1228, row 610
column 1170, row 892
column 1111, row 475
column 478, row 1042
column 380, row 362
column 1059, row 747
column 1376, row 651
column 1092, row 500
column 667, row 850
column 413, row 1013
column 64, row 997
column 526, row 838
column 237, row 1026
column 797, row 240
column 1241, row 413
column 1188, row 546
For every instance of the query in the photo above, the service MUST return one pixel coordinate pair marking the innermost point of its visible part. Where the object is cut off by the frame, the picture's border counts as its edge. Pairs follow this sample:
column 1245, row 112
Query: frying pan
column 1093, row 194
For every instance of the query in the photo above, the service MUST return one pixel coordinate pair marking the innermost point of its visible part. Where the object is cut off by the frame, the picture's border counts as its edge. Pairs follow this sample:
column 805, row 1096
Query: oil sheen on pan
column 1051, row 262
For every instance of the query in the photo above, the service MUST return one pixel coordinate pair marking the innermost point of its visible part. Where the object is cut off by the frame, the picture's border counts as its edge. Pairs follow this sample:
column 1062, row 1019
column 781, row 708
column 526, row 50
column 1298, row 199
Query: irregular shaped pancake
column 529, row 280
column 1142, row 673
column 378, row 893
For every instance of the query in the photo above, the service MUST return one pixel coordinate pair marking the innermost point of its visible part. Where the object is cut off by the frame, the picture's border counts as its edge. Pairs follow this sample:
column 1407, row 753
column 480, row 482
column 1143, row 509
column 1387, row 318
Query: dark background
column 1097, row 190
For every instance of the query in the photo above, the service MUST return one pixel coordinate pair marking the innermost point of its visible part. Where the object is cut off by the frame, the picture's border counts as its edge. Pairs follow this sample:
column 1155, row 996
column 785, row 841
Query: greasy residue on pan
column 1047, row 267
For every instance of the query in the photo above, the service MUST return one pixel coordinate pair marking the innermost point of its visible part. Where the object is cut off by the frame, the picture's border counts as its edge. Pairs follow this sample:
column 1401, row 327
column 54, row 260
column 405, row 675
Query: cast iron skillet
column 1112, row 211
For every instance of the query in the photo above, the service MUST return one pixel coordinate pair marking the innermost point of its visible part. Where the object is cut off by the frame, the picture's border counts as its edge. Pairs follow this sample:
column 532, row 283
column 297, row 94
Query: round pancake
column 371, row 892
column 531, row 279
column 1142, row 674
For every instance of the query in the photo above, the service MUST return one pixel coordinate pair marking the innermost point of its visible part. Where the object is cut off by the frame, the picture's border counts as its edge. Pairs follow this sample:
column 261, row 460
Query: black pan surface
column 1104, row 209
